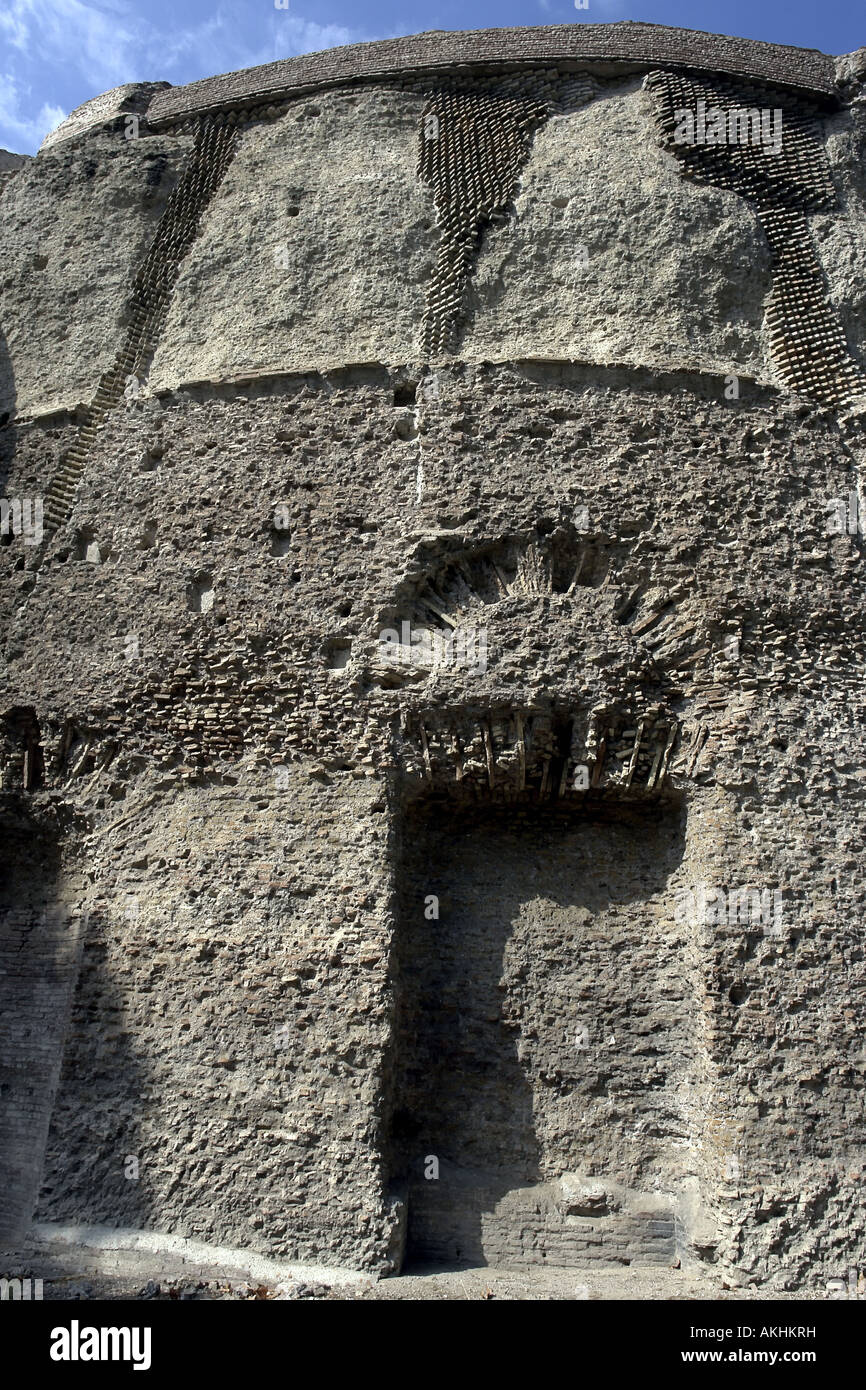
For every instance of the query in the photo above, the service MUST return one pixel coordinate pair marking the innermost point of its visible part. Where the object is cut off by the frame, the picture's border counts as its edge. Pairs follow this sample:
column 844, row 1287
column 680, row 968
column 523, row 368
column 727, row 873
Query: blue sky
column 55, row 54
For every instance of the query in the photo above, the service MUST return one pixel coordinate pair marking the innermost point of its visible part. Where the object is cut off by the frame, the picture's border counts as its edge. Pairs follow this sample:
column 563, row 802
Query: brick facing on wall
column 642, row 45
column 784, row 185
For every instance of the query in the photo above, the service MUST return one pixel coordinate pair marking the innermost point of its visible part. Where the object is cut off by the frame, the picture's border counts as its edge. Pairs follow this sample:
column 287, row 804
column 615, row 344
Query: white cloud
column 16, row 128
column 213, row 45
column 90, row 46
column 609, row 7
column 112, row 42
column 14, row 27
column 96, row 41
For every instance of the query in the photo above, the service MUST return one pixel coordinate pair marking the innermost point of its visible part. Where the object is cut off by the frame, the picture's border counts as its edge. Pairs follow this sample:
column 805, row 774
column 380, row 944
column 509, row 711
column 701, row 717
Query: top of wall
column 626, row 43
column 130, row 97
column 10, row 161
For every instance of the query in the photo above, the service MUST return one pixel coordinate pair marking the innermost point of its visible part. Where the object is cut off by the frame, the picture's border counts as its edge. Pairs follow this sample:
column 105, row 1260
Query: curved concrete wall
column 319, row 250
column 75, row 224
column 320, row 247
column 478, row 351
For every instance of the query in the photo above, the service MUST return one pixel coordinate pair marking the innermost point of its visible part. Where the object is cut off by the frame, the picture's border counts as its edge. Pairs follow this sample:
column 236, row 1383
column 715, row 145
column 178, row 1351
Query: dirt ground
column 424, row 1284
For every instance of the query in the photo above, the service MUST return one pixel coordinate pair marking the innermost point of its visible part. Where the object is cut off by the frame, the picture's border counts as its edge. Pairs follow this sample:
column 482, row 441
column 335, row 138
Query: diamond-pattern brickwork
column 474, row 144
column 475, row 139
column 151, row 294
column 784, row 185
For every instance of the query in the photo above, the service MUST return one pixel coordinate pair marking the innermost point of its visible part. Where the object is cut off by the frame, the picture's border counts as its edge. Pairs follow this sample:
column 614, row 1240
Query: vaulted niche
column 543, row 1032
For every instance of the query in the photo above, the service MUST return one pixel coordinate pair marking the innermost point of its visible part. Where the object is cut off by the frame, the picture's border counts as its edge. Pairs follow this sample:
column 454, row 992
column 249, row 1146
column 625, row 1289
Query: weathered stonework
column 431, row 723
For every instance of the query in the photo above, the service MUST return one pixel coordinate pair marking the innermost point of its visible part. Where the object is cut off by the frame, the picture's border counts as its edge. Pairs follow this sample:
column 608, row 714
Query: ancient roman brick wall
column 464, row 353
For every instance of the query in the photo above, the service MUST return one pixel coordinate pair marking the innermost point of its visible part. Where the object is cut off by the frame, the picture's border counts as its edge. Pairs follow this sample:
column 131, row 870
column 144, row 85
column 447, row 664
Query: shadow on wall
column 544, row 938
column 63, row 1043
column 39, row 952
column 96, row 1170
column 8, row 431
